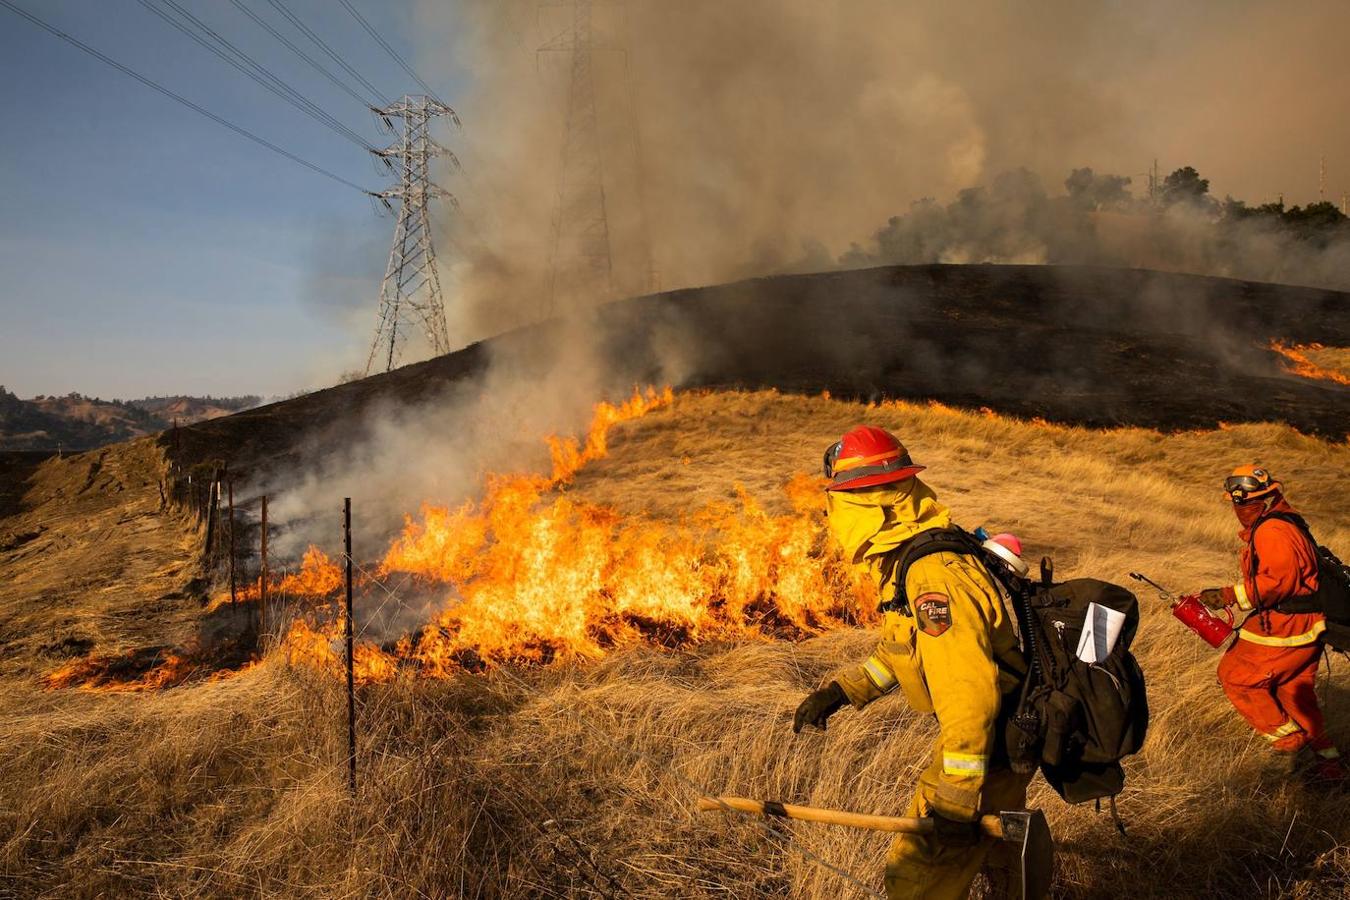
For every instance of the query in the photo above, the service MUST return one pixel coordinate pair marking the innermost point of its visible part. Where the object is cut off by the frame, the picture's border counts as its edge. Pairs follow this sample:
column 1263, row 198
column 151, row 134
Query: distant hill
column 77, row 422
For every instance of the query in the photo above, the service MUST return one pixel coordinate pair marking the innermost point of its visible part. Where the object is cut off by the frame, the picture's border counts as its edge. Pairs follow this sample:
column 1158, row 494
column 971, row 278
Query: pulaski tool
column 1025, row 828
column 1194, row 614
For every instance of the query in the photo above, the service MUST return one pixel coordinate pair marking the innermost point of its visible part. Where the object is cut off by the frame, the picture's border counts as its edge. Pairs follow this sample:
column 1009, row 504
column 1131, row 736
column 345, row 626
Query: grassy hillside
column 75, row 422
column 579, row 779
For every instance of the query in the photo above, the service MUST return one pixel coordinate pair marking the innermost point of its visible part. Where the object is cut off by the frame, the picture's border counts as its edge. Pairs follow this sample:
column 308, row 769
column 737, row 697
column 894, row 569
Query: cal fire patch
column 934, row 613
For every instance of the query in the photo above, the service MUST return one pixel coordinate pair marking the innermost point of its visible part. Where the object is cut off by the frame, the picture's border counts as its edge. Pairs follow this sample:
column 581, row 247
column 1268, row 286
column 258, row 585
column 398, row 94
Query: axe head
column 1035, row 851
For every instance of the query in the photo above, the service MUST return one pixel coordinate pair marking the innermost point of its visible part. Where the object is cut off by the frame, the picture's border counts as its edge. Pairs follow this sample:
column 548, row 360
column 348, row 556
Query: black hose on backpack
column 1025, row 756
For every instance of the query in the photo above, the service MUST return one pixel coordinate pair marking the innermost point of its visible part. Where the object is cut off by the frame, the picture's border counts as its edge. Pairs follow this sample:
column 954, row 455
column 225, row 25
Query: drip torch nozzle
column 1162, row 591
column 1193, row 613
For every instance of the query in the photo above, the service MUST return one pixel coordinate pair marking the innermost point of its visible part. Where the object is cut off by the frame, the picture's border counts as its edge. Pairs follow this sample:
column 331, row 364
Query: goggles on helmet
column 1240, row 487
column 831, row 455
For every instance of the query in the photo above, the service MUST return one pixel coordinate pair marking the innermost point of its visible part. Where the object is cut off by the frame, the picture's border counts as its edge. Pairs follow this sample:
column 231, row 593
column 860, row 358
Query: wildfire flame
column 530, row 579
column 146, row 670
column 318, row 576
column 539, row 579
column 569, row 455
column 1298, row 362
column 529, row 574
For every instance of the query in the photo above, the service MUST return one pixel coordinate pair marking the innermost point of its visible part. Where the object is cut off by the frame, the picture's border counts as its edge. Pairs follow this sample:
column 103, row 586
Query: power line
column 411, row 289
column 280, row 7
column 254, row 70
column 317, row 66
column 581, row 261
column 370, row 29
column 258, row 73
column 237, row 129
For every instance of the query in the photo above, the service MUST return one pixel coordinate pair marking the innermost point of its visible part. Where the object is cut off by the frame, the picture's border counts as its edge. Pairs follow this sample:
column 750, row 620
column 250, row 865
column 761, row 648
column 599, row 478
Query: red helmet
column 865, row 457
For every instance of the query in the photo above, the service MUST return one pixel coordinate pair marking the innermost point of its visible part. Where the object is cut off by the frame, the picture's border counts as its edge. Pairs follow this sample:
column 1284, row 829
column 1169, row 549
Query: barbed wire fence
column 198, row 491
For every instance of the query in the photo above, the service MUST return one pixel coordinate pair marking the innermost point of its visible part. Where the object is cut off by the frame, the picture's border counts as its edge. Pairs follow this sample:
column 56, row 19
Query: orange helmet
column 1249, row 482
column 865, row 457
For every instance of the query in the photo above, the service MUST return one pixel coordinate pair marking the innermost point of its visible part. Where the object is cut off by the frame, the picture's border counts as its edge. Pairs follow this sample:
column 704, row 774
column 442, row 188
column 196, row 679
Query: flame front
column 1298, row 362
column 529, row 578
column 537, row 579
column 136, row 671
column 530, row 575
column 569, row 455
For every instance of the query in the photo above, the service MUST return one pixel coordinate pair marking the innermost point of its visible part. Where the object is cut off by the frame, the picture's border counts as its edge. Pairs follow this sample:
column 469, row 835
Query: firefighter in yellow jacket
column 951, row 650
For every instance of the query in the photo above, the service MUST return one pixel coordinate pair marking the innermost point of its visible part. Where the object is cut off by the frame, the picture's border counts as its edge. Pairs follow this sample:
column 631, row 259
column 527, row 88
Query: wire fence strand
column 782, row 836
column 178, row 98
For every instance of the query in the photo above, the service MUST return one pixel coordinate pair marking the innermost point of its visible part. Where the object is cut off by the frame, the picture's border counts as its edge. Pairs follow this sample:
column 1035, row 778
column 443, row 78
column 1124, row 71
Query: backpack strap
column 895, row 567
column 896, row 564
column 1021, row 722
column 1293, row 519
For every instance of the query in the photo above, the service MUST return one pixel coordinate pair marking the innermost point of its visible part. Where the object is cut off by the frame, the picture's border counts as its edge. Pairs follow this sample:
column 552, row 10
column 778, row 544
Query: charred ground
column 1082, row 345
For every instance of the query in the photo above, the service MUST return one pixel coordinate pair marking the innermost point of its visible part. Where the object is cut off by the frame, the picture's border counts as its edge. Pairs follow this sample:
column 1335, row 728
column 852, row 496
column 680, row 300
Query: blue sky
column 145, row 249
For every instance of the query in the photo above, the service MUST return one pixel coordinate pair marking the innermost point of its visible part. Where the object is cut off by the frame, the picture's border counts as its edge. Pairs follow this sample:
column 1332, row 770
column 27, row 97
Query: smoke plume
column 765, row 136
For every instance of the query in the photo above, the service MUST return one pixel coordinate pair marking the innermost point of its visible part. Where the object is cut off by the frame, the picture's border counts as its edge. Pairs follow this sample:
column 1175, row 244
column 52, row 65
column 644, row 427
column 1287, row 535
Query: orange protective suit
column 1270, row 671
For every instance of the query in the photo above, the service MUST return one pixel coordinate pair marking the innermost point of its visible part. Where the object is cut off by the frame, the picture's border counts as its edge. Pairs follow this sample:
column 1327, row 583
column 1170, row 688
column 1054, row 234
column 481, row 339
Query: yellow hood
column 873, row 521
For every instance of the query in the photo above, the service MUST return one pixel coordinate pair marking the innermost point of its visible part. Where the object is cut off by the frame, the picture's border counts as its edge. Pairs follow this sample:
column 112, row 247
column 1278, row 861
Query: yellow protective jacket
column 955, row 656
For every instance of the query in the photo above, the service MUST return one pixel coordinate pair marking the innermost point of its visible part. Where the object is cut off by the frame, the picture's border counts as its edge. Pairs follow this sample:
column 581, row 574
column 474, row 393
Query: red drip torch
column 1194, row 614
column 1197, row 617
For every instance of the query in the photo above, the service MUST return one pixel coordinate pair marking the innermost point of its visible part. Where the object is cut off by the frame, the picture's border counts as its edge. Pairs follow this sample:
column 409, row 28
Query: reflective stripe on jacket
column 960, row 674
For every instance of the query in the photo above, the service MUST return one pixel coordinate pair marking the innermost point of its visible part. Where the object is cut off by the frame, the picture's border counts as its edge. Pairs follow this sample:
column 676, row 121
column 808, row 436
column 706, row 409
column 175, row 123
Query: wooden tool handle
column 990, row 825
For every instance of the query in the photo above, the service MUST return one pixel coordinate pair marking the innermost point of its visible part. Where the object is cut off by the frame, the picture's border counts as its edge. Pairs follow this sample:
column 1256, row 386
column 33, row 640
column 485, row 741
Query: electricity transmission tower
column 410, row 295
column 581, row 261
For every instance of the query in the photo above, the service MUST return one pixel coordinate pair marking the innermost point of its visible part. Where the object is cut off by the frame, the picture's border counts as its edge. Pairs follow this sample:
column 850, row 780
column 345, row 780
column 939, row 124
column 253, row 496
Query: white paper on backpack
column 1101, row 630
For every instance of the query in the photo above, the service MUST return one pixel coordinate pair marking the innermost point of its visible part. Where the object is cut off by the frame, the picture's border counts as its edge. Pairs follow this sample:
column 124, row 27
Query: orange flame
column 569, row 455
column 1297, row 362
column 530, row 575
column 324, row 648
column 136, row 671
column 539, row 579
column 318, row 576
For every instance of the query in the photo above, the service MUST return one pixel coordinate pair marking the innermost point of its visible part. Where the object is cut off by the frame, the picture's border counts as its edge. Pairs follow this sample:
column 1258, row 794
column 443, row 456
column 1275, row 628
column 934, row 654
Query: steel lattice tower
column 581, row 262
column 410, row 294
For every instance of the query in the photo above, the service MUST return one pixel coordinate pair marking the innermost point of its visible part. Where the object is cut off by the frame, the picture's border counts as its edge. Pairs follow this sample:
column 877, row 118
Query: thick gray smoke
column 749, row 137
column 1095, row 219
column 398, row 456
column 761, row 136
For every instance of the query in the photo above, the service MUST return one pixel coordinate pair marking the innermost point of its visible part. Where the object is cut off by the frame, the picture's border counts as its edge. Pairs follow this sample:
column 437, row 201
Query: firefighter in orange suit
column 1269, row 672
column 952, row 651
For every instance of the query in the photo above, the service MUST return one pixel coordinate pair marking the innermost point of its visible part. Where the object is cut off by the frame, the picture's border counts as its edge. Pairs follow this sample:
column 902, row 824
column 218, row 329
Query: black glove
column 1213, row 598
column 819, row 706
column 953, row 832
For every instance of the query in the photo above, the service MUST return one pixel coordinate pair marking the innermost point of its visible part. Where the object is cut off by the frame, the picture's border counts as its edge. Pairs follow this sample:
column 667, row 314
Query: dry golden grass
column 580, row 780
column 98, row 561
column 1333, row 359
